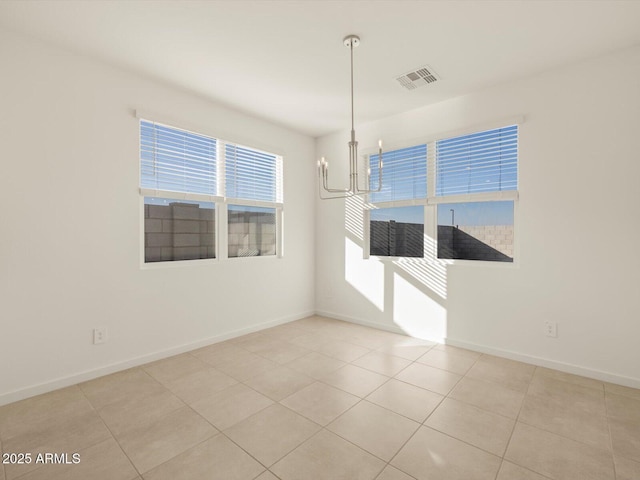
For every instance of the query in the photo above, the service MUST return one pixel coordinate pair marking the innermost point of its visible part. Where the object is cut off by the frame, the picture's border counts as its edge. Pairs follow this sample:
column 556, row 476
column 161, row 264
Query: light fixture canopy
column 350, row 41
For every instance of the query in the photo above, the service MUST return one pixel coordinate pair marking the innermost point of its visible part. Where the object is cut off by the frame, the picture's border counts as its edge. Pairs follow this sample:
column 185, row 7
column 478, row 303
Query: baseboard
column 74, row 379
column 379, row 326
column 62, row 382
column 521, row 357
column 544, row 362
column 359, row 321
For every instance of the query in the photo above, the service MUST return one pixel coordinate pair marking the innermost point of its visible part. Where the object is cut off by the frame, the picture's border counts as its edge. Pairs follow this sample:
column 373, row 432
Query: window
column 476, row 163
column 395, row 229
column 483, row 163
column 404, row 174
column 188, row 180
column 252, row 231
column 176, row 160
column 252, row 175
column 476, row 231
column 253, row 182
column 471, row 197
column 178, row 230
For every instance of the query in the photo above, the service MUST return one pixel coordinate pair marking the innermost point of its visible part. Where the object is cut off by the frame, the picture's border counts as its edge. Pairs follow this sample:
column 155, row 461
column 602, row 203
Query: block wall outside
column 178, row 231
column 485, row 242
column 251, row 233
column 396, row 239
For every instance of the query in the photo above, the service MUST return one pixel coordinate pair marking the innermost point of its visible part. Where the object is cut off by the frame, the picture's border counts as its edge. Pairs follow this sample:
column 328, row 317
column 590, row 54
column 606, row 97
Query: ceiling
column 284, row 60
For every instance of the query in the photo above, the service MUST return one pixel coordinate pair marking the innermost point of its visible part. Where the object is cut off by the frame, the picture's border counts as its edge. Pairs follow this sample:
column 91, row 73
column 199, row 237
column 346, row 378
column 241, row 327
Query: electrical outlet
column 99, row 335
column 551, row 329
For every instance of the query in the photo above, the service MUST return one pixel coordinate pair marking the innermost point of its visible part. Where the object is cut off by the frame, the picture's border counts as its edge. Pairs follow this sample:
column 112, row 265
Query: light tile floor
column 323, row 399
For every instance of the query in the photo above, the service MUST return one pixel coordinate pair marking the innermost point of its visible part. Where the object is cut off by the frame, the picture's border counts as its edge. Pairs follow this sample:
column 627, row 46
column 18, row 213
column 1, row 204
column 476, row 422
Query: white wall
column 70, row 226
column 578, row 229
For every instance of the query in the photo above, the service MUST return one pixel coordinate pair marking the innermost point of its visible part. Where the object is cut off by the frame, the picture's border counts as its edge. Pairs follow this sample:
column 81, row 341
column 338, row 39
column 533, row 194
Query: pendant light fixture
column 350, row 41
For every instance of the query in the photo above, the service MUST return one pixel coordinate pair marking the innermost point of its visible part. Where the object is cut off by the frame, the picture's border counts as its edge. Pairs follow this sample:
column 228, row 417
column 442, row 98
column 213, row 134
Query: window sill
column 179, row 263
column 445, row 261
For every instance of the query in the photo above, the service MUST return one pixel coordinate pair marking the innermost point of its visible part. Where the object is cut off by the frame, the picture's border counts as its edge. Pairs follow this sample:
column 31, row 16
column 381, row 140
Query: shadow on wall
column 409, row 293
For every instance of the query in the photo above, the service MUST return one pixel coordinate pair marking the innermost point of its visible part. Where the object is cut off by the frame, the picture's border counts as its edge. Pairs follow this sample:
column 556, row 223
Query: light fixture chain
column 352, row 115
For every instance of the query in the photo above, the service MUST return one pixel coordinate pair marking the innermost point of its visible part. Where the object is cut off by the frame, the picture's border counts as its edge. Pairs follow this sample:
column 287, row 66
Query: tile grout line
column 560, row 434
column 111, row 432
column 169, row 459
column 388, row 463
column 444, row 397
column 275, row 403
column 41, row 467
column 606, row 413
column 448, row 396
column 248, row 453
column 218, row 430
column 113, row 437
column 542, row 429
column 222, row 431
column 421, row 424
column 242, row 382
column 350, row 393
column 324, row 427
column 360, row 399
column 185, row 404
column 515, row 423
column 392, row 411
column 4, row 470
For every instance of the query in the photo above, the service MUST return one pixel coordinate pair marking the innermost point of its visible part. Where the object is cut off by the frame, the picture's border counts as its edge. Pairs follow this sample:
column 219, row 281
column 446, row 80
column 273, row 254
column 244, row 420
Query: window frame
column 220, row 201
column 431, row 201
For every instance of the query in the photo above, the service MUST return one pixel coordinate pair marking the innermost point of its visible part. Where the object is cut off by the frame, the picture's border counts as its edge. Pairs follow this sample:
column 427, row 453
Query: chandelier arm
column 333, row 190
column 346, row 194
column 335, row 197
column 363, row 192
column 339, row 190
column 323, row 174
column 372, row 190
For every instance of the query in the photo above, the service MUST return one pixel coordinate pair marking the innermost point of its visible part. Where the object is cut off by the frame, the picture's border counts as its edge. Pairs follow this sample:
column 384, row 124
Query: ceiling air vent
column 417, row 78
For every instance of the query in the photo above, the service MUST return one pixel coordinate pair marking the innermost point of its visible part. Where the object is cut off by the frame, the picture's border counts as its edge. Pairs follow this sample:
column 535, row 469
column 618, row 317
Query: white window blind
column 480, row 162
column 177, row 160
column 252, row 175
column 404, row 174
